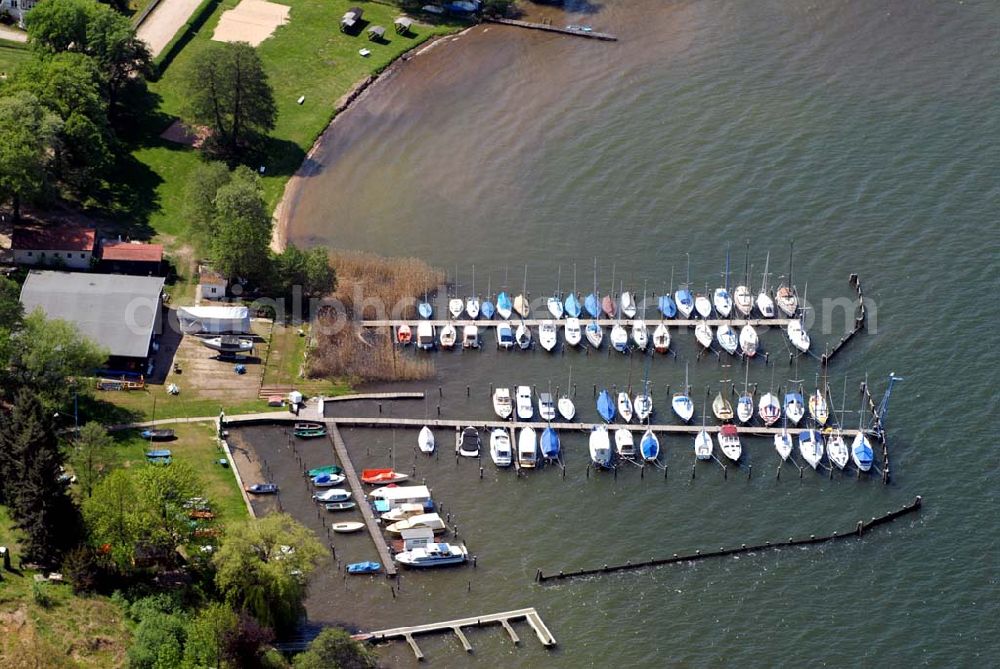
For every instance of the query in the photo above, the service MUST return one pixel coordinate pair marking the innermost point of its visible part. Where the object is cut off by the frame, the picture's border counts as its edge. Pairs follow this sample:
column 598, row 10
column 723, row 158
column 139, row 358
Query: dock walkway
column 358, row 492
column 592, row 34
column 603, row 322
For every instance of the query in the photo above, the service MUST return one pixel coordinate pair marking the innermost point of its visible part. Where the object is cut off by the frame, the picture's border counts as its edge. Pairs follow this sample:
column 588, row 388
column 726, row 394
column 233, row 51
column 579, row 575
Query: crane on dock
column 879, row 415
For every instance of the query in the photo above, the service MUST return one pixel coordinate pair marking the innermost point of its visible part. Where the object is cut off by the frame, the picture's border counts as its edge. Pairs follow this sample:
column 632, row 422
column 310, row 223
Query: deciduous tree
column 334, row 647
column 90, row 452
column 28, row 134
column 241, row 233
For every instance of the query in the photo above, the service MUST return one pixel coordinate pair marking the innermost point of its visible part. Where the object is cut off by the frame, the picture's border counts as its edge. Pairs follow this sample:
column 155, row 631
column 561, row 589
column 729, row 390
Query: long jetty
column 858, row 532
column 340, row 448
column 603, row 322
column 860, row 315
column 504, row 618
column 548, row 27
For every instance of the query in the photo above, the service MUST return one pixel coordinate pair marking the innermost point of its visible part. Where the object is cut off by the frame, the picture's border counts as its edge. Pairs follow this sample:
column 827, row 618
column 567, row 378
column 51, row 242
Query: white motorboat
column 703, row 333
column 729, row 442
column 566, row 407
column 861, row 452
column 469, row 443
column 624, row 443
column 455, row 307
column 619, row 338
column 449, row 335
column 836, row 450
column 229, row 344
column 811, row 447
column 572, row 331
column 625, row 406
column 328, row 480
column 527, row 448
column 425, row 440
column 726, row 336
column 818, row 408
column 640, row 335
column 703, row 445
column 628, row 305
column 798, row 335
column 769, row 409
column 555, row 306
column 502, row 404
column 661, row 338
column 505, row 335
column 500, row 448
column 643, row 405
column 546, row 407
column 433, row 555
column 702, row 305
column 522, row 336
column 525, row 410
column 407, row 510
column 425, row 336
column 783, row 444
column 723, row 302
column 470, row 336
column 472, row 307
column 332, row 495
column 600, row 447
column 595, row 334
column 423, row 521
column 548, row 335
column 748, row 340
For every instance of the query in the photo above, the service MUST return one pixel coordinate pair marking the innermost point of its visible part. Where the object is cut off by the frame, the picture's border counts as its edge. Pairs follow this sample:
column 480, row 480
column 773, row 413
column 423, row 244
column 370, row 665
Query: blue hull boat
column 592, row 305
column 425, row 310
column 504, row 305
column 487, row 310
column 571, row 306
column 667, row 306
column 550, row 444
column 684, row 302
column 649, row 446
column 364, row 568
column 606, row 406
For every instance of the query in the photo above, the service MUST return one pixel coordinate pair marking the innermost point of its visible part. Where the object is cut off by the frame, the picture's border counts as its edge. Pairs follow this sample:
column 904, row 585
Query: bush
column 40, row 594
column 85, row 570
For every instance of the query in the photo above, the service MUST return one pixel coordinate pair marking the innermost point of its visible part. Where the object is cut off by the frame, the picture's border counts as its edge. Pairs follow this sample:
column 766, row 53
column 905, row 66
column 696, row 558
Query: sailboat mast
column 558, row 282
column 727, row 269
column 473, row 281
column 746, row 267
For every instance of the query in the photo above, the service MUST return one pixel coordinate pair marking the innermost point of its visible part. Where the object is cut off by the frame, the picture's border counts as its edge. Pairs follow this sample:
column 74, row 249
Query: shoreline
column 281, row 218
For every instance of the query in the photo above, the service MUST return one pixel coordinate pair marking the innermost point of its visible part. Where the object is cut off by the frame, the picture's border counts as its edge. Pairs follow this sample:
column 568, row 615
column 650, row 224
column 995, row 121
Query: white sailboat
column 748, row 340
column 425, row 440
column 640, row 335
column 595, row 334
column 661, row 338
column 554, row 303
column 765, row 305
column 548, row 335
column 625, row 406
column 681, row 402
column 818, row 408
column 783, row 443
column 786, row 298
column 702, row 304
column 703, row 333
column 572, row 332
column 619, row 338
column 703, row 441
column 682, row 298
column 522, row 336
column 836, row 450
column 525, row 409
column 744, row 405
column 521, row 304
column 742, row 298
column 769, row 409
column 727, row 339
column 500, row 451
column 721, row 299
column 798, row 335
column 449, row 335
column 628, row 305
column 502, row 404
column 455, row 307
column 624, row 443
column 564, row 404
column 811, row 447
column 643, row 404
column 472, row 303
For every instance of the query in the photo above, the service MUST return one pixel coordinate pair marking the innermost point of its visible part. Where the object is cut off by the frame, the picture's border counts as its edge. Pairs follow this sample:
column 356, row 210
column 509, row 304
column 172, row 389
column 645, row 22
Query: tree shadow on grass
column 280, row 157
column 94, row 408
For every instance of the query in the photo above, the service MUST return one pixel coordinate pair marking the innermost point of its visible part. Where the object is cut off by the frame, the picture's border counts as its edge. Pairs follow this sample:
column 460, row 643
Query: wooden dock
column 357, row 397
column 504, row 618
column 358, row 492
column 603, row 322
column 592, row 34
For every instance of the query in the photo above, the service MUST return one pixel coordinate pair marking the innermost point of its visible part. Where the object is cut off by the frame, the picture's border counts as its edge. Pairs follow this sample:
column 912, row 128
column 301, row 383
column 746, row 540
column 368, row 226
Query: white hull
column 525, row 410
column 425, row 440
column 722, row 302
column 703, row 306
column 703, row 333
column 500, row 448
column 555, row 306
column 548, row 335
column 546, row 407
column 595, row 334
column 783, row 444
column 624, row 443
column 619, row 338
column 798, row 336
column 455, row 307
column 628, row 305
column 502, row 405
column 527, row 448
column 748, row 340
column 470, row 336
column 743, row 300
column 811, row 449
column 703, row 446
column 765, row 305
column 836, row 451
column 643, row 406
column 522, row 336
column 640, row 335
column 661, row 338
column 625, row 407
column 572, row 331
column 683, row 407
column 856, row 447
column 566, row 408
column 727, row 338
column 731, row 447
column 472, row 307
column 744, row 408
column 449, row 335
column 769, row 409
column 600, row 447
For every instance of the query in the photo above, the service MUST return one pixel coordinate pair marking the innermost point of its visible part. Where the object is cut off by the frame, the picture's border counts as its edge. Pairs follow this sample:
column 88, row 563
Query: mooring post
column 468, row 391
column 777, row 473
column 480, row 472
column 595, row 390
column 379, row 408
column 692, row 471
column 749, row 472
column 439, row 409
column 440, row 391
column 588, row 471
column 725, row 472
column 665, row 467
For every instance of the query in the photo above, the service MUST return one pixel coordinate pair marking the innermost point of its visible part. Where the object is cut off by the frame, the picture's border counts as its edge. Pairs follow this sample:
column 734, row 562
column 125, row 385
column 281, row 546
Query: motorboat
column 367, row 567
column 263, row 489
column 783, row 444
column 549, row 444
column 661, row 338
column 433, row 555
column 229, row 344
column 594, row 334
column 748, row 340
column 798, row 335
column 667, row 306
column 406, row 510
column 472, row 307
column 339, row 506
column 382, row 476
column 548, row 335
column 326, row 469
column 425, row 336
column 794, row 408
column 525, row 410
column 729, row 442
column 455, row 307
column 470, row 336
column 836, row 450
column 722, row 408
column 555, row 307
column 527, row 448
column 403, row 334
column 861, row 452
column 726, row 336
column 769, row 409
column 572, row 331
column 744, row 407
column 423, row 521
column 703, row 333
column 502, row 404
column 571, row 306
column 469, row 443
column 625, row 406
column 818, row 408
column 703, row 445
column 332, row 495
column 619, row 338
column 811, row 447
column 504, row 306
column 522, row 336
column 566, row 407
column 425, row 440
column 629, row 308
column 723, row 302
column 327, row 480
column 640, row 335
column 606, row 406
column 449, row 335
column 347, row 527
column 643, row 405
column 546, row 406
column 624, row 443
column 649, row 446
column 600, row 447
column 500, row 447
column 505, row 335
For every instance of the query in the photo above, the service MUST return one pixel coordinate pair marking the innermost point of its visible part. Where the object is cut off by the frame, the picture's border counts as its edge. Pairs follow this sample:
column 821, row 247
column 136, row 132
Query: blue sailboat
column 592, row 305
column 667, row 306
column 550, row 444
column 649, row 447
column 487, row 309
column 606, row 406
column 572, row 306
column 425, row 310
column 504, row 305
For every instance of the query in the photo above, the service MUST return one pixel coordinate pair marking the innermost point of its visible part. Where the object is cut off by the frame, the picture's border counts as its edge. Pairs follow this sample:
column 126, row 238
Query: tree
column 241, row 233
column 227, row 90
column 310, row 270
column 199, row 195
column 335, row 649
column 207, row 636
column 263, row 565
column 247, row 645
column 92, row 447
column 158, row 642
column 27, row 138
column 11, row 314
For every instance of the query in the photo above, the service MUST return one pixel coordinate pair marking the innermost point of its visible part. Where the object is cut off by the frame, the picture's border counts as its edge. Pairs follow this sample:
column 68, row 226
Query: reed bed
column 369, row 283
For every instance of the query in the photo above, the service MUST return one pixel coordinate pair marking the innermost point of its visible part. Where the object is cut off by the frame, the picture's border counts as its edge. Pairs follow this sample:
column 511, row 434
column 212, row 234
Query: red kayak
column 382, row 476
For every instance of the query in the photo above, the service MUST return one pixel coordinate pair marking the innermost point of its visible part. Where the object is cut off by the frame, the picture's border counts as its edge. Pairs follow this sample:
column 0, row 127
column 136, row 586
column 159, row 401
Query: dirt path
column 164, row 22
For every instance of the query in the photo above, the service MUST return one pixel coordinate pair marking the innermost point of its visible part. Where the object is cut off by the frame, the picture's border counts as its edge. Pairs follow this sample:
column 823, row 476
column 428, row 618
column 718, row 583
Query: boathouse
column 69, row 246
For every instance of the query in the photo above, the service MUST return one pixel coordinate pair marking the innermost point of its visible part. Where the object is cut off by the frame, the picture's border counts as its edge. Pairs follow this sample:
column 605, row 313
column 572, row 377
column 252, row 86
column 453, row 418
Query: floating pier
column 592, row 34
column 504, row 618
column 603, row 322
column 858, row 532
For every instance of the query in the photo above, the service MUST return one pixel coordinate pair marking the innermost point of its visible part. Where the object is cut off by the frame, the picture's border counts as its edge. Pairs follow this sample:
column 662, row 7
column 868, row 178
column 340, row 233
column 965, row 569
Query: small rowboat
column 328, row 469
column 364, row 568
column 339, row 506
column 309, row 430
column 348, row 527
column 382, row 476
column 263, row 489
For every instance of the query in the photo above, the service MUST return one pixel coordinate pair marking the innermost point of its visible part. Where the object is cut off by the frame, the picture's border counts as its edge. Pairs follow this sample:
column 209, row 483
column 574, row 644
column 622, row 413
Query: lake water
column 865, row 131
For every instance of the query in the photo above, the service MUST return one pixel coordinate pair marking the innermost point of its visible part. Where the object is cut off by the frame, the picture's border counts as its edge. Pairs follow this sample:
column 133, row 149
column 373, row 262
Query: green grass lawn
column 12, row 54
column 308, row 56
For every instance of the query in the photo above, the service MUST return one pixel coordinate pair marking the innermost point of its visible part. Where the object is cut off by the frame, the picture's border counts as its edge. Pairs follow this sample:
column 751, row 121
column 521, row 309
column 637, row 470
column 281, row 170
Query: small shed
column 403, row 25
column 211, row 284
column 376, row 33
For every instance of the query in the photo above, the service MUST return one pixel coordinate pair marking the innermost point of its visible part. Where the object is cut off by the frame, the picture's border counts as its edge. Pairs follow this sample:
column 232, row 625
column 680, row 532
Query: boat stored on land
column 430, row 521
column 229, row 344
column 339, row 506
column 157, row 435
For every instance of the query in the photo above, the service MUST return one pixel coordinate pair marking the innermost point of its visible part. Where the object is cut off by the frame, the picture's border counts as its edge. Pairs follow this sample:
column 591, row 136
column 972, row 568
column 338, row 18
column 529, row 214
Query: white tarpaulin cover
column 214, row 320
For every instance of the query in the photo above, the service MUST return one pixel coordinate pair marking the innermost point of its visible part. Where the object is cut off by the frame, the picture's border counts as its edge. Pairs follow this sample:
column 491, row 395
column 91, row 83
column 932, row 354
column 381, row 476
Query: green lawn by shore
column 12, row 54
column 308, row 57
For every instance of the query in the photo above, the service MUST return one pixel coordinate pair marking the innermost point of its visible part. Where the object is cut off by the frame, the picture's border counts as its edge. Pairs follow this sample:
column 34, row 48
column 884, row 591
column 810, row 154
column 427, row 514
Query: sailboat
column 504, row 307
column 619, row 338
column 456, row 305
column 472, row 303
column 742, row 299
column 487, row 309
column 721, row 298
column 818, row 408
column 649, row 446
column 592, row 303
column 600, row 447
column 786, row 298
column 639, row 333
column 449, row 335
column 727, row 339
column 550, row 444
column 425, row 440
column 500, row 451
column 811, row 447
column 783, row 442
column 681, row 401
column 554, row 303
column 548, row 335
column 521, row 304
column 769, row 409
column 798, row 335
column 702, row 304
column 794, row 407
column 606, row 406
column 424, row 308
column 572, row 332
column 593, row 330
column 765, row 305
column 643, row 403
column 661, row 338
column 861, row 449
column 628, row 304
column 721, row 407
column 565, row 405
column 703, row 333
column 666, row 304
column 748, row 340
column 571, row 305
column 624, row 443
column 683, row 298
column 625, row 406
column 522, row 335
column 703, row 441
column 836, row 449
column 608, row 301
column 595, row 335
column 729, row 442
column 502, row 405
column 744, row 405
